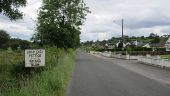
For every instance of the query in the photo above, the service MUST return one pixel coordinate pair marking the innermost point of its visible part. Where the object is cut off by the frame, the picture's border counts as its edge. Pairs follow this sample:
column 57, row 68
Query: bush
column 160, row 49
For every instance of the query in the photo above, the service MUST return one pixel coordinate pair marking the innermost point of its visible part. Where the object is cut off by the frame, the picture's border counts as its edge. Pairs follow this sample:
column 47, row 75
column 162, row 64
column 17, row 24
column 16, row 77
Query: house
column 111, row 46
column 117, row 44
column 154, row 46
column 161, row 44
column 128, row 44
column 167, row 44
column 135, row 44
column 147, row 45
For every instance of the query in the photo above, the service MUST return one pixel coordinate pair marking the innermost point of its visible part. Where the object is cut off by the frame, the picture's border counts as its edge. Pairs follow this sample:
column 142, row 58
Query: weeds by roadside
column 16, row 80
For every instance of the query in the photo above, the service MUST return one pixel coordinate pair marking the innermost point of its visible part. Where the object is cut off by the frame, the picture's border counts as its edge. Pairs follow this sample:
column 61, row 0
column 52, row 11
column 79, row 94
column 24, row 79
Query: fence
column 120, row 56
column 155, row 61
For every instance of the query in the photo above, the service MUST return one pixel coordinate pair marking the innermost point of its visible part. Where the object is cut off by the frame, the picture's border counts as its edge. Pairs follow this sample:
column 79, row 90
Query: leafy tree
column 156, row 39
column 9, row 8
column 4, row 38
column 133, row 37
column 88, row 43
column 16, row 43
column 126, row 38
column 59, row 22
column 152, row 35
column 142, row 37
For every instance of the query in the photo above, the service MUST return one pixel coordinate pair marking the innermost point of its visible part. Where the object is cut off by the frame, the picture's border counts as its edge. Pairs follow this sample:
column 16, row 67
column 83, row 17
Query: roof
column 160, row 44
column 120, row 42
column 146, row 45
column 141, row 44
column 168, row 41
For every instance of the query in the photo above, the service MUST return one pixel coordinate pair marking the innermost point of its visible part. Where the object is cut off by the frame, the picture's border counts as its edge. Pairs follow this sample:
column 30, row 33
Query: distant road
column 95, row 76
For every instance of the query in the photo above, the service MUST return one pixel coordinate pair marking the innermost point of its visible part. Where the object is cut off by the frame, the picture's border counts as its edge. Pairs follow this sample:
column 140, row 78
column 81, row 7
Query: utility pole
column 122, row 21
column 122, row 31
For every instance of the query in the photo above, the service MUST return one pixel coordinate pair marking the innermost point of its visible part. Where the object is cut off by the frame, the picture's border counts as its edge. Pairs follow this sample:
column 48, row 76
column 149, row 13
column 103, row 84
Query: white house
column 124, row 45
column 128, row 44
column 167, row 44
column 147, row 45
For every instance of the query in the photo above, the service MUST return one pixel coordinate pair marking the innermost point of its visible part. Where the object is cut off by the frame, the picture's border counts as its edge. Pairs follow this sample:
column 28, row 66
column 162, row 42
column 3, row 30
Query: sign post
column 34, row 57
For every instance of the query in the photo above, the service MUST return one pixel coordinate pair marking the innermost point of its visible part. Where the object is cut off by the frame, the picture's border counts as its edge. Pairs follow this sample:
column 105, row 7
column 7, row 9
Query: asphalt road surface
column 94, row 76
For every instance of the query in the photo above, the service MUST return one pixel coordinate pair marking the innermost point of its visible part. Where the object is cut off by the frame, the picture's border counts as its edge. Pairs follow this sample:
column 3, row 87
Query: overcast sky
column 141, row 17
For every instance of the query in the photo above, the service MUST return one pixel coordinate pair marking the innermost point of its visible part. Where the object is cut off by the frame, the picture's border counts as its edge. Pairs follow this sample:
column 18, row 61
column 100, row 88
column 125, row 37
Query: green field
column 165, row 56
column 16, row 80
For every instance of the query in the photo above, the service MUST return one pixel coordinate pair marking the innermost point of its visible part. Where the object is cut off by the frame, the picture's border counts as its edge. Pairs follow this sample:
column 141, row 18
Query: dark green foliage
column 160, row 49
column 152, row 35
column 4, row 38
column 59, row 23
column 129, row 50
column 88, row 43
column 156, row 39
column 16, row 43
column 141, row 49
column 9, row 8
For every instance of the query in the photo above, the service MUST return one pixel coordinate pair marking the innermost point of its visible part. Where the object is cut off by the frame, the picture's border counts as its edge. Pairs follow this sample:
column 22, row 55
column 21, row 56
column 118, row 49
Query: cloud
column 23, row 28
column 141, row 17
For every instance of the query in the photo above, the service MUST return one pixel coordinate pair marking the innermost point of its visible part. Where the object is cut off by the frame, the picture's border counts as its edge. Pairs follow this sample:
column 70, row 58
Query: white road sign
column 34, row 57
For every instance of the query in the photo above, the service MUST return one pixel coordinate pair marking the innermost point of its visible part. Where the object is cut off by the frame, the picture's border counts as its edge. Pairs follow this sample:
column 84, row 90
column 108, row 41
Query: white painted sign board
column 34, row 57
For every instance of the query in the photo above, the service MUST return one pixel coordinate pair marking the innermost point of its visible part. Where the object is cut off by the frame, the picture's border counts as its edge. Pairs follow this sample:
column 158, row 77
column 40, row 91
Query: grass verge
column 165, row 56
column 15, row 80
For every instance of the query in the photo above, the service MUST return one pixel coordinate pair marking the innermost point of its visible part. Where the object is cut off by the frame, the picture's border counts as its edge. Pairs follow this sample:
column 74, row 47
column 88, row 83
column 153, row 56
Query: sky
column 141, row 17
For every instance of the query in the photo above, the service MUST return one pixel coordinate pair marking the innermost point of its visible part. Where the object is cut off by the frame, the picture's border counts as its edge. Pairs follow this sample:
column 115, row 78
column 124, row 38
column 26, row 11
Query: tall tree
column 4, row 38
column 156, row 39
column 9, row 8
column 152, row 35
column 16, row 43
column 59, row 22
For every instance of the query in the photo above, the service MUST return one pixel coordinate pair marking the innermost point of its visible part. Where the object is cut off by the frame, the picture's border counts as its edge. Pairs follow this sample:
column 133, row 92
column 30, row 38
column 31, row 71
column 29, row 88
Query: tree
column 9, row 8
column 4, row 38
column 156, row 39
column 59, row 23
column 142, row 37
column 16, row 43
column 152, row 35
column 126, row 38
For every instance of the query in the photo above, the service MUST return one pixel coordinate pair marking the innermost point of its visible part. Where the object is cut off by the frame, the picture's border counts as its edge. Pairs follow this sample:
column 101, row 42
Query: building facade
column 167, row 44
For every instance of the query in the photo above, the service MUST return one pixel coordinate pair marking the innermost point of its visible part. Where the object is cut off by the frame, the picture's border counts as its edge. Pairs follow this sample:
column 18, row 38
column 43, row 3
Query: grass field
column 165, row 56
column 16, row 80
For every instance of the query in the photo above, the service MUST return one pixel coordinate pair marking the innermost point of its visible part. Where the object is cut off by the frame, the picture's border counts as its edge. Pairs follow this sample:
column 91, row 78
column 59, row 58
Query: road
column 95, row 76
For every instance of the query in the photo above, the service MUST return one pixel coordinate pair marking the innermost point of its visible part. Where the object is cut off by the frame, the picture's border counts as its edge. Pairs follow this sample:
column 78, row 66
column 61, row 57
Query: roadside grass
column 16, row 80
column 165, row 56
